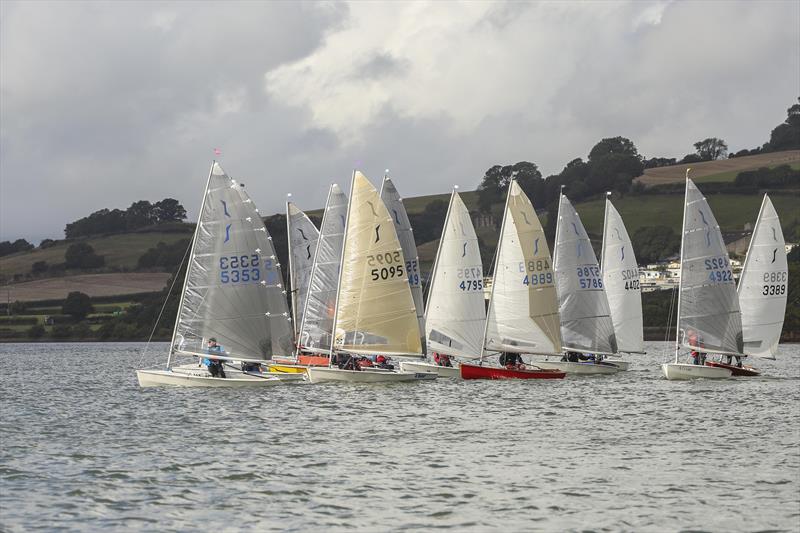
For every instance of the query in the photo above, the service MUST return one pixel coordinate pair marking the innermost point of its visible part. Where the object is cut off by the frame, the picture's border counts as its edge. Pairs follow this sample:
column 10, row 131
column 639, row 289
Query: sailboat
column 523, row 307
column 233, row 293
column 762, row 290
column 709, row 319
column 374, row 311
column 456, row 312
column 586, row 324
column 302, row 239
column 394, row 203
column 621, row 280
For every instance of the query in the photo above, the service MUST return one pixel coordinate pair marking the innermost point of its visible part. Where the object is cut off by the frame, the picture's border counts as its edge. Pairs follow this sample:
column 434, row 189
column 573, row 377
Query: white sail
column 708, row 306
column 303, row 236
column 375, row 311
column 316, row 331
column 585, row 317
column 523, row 308
column 233, row 289
column 621, row 280
column 456, row 311
column 394, row 203
column 763, row 285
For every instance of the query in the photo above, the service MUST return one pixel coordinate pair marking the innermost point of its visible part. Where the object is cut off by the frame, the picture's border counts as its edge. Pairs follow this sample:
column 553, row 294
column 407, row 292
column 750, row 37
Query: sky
column 106, row 103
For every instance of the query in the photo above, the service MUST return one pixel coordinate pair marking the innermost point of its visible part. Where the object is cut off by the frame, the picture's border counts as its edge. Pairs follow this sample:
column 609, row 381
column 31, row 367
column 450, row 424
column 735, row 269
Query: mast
column 680, row 279
column 339, row 281
column 605, row 232
column 558, row 224
column 494, row 271
column 188, row 266
column 439, row 250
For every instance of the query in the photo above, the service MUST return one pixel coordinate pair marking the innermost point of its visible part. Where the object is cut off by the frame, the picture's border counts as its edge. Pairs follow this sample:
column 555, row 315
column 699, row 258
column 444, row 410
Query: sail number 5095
column 394, row 268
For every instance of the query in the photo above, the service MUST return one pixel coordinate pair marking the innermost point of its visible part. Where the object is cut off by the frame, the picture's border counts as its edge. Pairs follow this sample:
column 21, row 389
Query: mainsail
column 394, row 203
column 585, row 317
column 303, row 236
column 456, row 312
column 763, row 286
column 621, row 279
column 375, row 311
column 233, row 289
column 708, row 307
column 523, row 308
column 316, row 329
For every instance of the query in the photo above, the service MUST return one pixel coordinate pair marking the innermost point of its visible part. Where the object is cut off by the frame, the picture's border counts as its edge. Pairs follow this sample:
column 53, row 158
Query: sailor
column 382, row 362
column 512, row 361
column 442, row 359
column 215, row 366
column 739, row 361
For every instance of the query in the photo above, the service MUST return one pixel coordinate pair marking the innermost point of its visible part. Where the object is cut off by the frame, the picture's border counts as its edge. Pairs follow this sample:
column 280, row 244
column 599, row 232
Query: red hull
column 493, row 372
column 737, row 371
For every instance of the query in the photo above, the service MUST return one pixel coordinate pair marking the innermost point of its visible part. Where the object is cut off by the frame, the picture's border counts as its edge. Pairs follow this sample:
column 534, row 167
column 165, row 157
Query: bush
column 39, row 267
column 62, row 331
column 77, row 305
column 46, row 243
column 36, row 331
column 82, row 255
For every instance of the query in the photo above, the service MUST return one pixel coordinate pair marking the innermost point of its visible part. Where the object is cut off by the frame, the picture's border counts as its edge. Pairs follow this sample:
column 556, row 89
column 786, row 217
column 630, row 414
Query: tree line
column 140, row 214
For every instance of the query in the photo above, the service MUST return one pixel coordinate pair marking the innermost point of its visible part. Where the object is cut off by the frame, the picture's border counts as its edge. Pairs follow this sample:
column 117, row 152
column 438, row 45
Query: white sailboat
column 302, row 239
column 374, row 312
column 523, row 306
column 709, row 319
column 621, row 280
column 763, row 285
column 456, row 310
column 394, row 203
column 233, row 292
column 586, row 324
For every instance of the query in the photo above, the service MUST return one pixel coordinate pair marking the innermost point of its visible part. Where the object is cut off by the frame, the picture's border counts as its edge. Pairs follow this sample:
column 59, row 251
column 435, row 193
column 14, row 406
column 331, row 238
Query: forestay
column 456, row 311
column 316, row 330
column 233, row 290
column 523, row 309
column 621, row 280
column 375, row 312
column 763, row 285
column 585, row 317
column 394, row 203
column 708, row 307
column 303, row 236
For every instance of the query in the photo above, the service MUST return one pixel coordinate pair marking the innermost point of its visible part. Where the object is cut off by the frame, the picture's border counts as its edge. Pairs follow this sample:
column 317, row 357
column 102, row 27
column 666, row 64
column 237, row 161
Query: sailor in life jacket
column 442, row 359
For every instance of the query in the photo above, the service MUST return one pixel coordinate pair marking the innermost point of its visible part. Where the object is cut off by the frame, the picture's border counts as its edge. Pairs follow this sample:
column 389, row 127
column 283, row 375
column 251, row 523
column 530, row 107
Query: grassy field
column 92, row 284
column 731, row 175
column 719, row 170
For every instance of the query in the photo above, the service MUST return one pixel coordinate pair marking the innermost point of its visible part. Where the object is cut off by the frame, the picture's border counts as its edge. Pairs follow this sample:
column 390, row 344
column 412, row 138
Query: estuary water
column 84, row 448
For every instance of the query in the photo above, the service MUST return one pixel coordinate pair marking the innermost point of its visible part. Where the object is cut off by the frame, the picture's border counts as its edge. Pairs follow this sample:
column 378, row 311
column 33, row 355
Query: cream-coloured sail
column 523, row 309
column 375, row 311
column 764, row 284
column 456, row 311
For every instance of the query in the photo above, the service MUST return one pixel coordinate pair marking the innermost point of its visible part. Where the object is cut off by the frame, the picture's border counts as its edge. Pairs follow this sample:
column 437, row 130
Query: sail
column 763, row 286
column 394, row 203
column 234, row 289
column 621, row 279
column 303, row 237
column 523, row 309
column 316, row 329
column 585, row 317
column 708, row 307
column 456, row 310
column 375, row 312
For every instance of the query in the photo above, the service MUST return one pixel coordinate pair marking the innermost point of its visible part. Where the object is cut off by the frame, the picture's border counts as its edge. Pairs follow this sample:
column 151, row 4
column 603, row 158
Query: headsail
column 523, row 309
column 394, row 203
column 316, row 330
column 303, row 236
column 708, row 306
column 585, row 317
column 233, row 290
column 375, row 311
column 621, row 279
column 763, row 286
column 456, row 311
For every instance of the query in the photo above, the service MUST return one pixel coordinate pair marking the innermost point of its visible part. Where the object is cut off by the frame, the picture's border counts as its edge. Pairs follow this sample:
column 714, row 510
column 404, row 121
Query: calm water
column 83, row 447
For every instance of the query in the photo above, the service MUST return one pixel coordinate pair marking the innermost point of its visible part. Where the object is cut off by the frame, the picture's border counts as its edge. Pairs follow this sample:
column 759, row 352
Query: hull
column 158, row 378
column 287, row 369
column 619, row 363
column 586, row 368
column 442, row 371
column 312, row 360
column 682, row 371
column 322, row 375
column 493, row 372
column 735, row 370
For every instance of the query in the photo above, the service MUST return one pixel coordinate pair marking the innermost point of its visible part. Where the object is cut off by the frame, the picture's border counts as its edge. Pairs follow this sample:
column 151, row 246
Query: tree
column 613, row 145
column 77, row 305
column 36, row 331
column 140, row 214
column 786, row 136
column 495, row 182
column 39, row 267
column 82, row 255
column 711, row 149
column 47, row 243
column 20, row 245
column 169, row 210
column 654, row 243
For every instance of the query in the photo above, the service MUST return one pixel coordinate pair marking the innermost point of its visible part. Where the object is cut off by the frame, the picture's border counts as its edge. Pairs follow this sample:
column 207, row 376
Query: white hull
column 442, row 371
column 322, row 374
column 619, row 363
column 586, row 368
column 680, row 371
column 156, row 378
